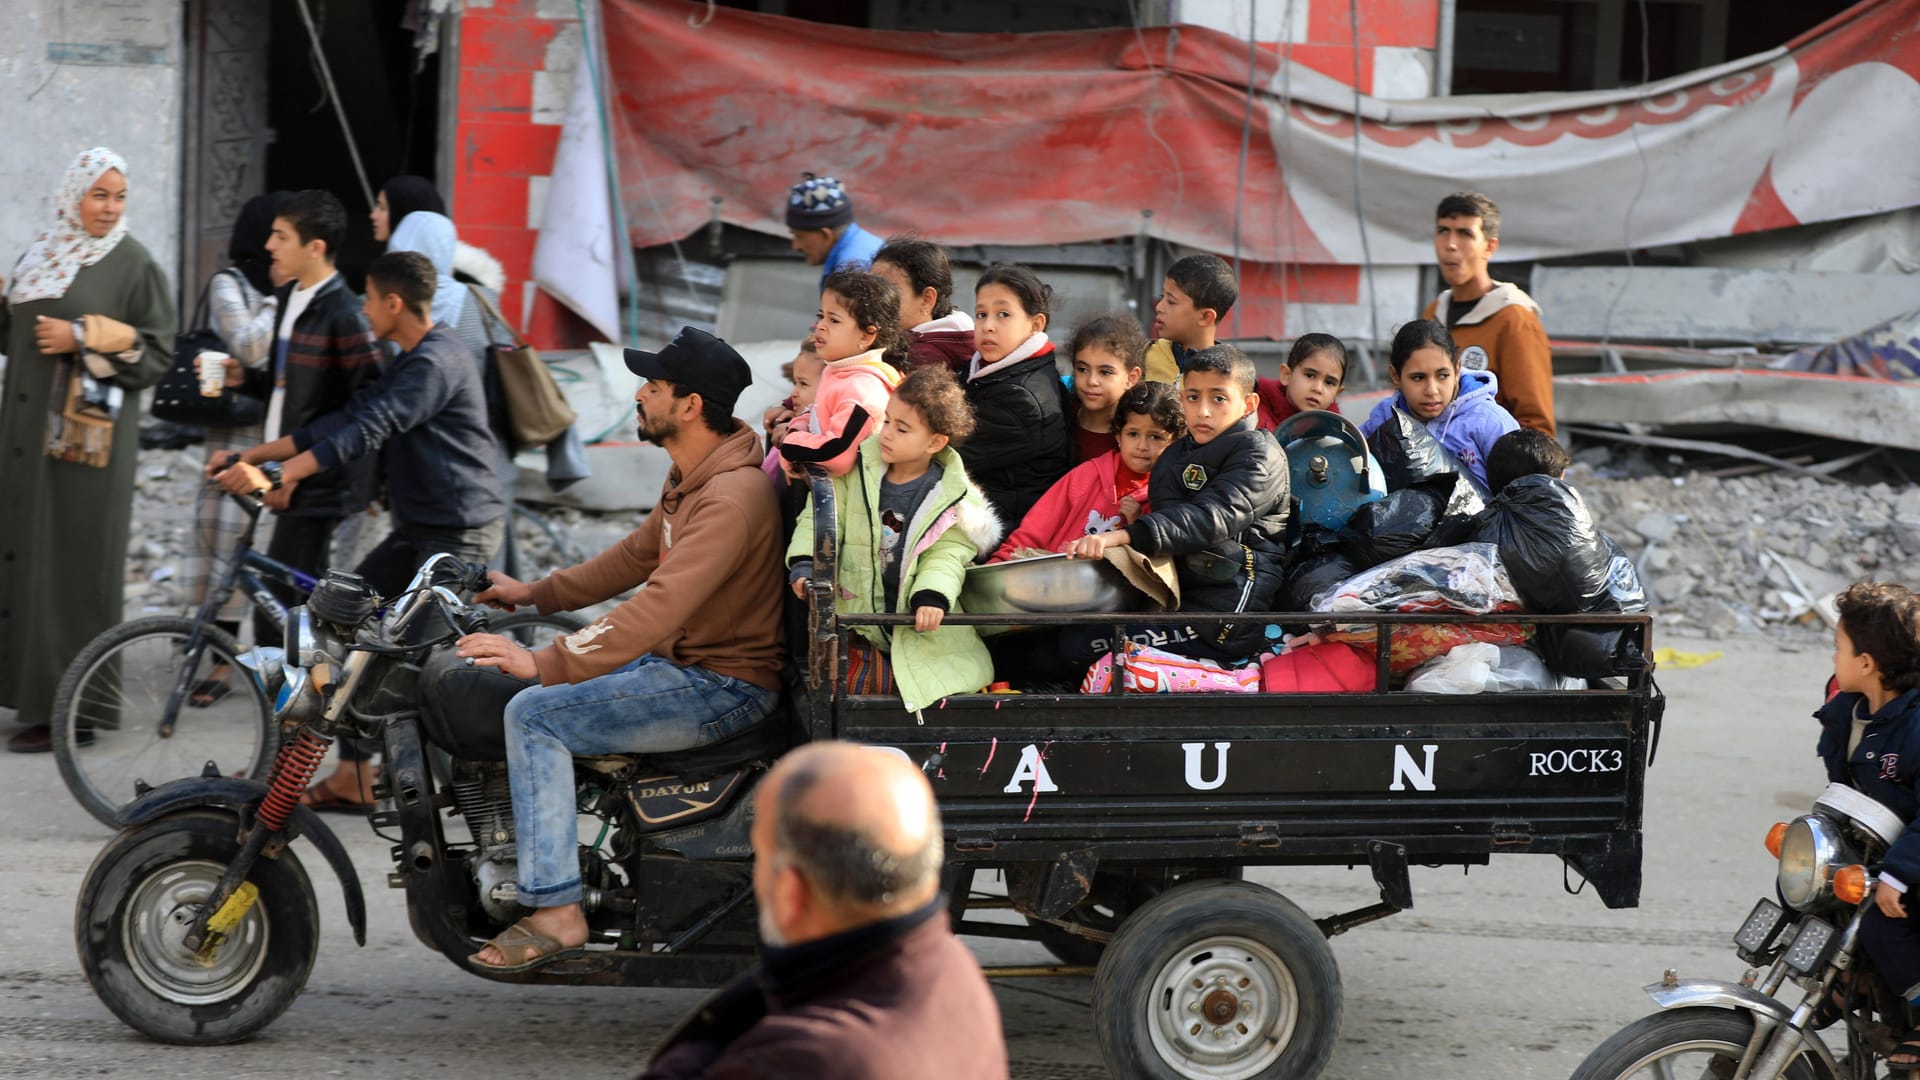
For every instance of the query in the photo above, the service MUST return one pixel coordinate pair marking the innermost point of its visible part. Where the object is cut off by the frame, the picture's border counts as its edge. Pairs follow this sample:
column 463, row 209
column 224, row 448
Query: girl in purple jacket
column 1457, row 406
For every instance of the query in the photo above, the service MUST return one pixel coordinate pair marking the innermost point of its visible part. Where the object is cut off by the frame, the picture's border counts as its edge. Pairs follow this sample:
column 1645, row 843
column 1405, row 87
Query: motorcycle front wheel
column 1683, row 1042
column 532, row 630
column 109, row 713
column 141, row 895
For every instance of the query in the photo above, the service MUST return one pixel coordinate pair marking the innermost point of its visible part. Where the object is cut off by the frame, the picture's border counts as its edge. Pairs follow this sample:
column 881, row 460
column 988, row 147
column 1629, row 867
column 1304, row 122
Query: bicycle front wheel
column 110, row 723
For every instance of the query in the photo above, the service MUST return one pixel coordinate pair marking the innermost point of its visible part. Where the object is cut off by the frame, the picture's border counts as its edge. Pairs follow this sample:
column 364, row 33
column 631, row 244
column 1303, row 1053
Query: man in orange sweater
column 1495, row 323
column 692, row 658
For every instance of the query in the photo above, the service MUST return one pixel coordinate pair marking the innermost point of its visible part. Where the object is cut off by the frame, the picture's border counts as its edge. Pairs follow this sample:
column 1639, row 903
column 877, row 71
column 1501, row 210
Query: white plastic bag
column 1520, row 668
column 1463, row 669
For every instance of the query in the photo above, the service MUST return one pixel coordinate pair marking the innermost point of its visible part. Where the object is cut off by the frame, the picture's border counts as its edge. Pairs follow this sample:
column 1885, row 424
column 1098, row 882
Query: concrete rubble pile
column 1719, row 556
column 1755, row 553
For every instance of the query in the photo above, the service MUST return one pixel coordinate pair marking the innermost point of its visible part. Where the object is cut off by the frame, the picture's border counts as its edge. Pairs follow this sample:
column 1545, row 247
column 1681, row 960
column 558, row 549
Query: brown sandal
column 524, row 948
column 322, row 799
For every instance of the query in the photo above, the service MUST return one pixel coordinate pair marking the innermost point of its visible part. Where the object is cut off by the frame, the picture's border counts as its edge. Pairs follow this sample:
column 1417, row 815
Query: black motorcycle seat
column 766, row 740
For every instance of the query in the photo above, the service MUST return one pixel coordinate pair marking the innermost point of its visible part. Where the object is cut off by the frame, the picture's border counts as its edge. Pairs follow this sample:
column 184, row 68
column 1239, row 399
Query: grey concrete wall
column 80, row 73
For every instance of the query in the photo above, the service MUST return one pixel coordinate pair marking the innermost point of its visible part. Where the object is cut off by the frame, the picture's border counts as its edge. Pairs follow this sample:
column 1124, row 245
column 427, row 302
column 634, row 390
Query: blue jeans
column 649, row 706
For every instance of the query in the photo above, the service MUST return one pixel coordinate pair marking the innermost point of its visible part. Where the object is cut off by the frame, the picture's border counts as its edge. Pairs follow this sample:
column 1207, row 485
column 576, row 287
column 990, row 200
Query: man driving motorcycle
column 691, row 659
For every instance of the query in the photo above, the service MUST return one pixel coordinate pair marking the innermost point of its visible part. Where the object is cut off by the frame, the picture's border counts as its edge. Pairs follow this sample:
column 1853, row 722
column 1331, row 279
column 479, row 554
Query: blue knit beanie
column 818, row 202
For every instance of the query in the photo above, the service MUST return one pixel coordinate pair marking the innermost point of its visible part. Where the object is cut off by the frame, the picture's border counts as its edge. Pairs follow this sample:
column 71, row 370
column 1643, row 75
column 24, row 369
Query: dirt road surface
column 1496, row 973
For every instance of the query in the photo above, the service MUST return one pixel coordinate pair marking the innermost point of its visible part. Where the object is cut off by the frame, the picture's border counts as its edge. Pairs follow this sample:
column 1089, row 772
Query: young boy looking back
column 1524, row 452
column 1870, row 741
column 1219, row 498
column 1198, row 293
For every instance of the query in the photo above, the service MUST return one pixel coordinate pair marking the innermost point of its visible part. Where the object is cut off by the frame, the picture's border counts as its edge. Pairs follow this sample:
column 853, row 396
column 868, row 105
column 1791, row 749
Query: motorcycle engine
column 481, row 793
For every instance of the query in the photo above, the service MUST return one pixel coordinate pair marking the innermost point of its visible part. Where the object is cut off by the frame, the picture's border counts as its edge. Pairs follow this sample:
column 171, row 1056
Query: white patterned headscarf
column 50, row 265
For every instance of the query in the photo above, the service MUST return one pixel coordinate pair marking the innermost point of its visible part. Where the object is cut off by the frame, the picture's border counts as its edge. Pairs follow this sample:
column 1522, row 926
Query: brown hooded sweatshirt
column 1501, row 333
column 709, row 556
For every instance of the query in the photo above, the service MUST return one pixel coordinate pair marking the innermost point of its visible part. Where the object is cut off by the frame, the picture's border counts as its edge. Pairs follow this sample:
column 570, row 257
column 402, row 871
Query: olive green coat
column 952, row 526
column 63, row 525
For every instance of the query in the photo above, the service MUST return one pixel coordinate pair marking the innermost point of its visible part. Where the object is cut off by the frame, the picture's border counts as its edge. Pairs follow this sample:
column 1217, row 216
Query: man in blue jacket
column 820, row 217
column 430, row 413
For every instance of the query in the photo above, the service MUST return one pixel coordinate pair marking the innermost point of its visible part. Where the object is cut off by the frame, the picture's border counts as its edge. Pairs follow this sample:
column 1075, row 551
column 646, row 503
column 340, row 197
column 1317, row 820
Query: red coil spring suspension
column 293, row 770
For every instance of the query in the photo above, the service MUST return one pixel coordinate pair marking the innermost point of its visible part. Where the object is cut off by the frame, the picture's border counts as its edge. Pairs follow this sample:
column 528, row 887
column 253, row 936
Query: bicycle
column 141, row 704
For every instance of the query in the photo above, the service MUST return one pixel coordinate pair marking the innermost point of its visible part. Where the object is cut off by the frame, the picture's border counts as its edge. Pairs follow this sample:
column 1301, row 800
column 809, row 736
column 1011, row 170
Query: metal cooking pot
column 1046, row 584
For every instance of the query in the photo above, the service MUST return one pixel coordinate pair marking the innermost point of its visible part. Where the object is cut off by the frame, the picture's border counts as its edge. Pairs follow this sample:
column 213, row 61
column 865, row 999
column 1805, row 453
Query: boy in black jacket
column 1870, row 741
column 1219, row 498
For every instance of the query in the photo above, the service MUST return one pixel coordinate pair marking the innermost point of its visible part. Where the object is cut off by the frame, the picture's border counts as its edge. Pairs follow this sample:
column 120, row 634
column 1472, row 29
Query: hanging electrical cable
column 1626, row 224
column 1153, row 132
column 333, row 95
column 1246, row 130
column 1359, row 210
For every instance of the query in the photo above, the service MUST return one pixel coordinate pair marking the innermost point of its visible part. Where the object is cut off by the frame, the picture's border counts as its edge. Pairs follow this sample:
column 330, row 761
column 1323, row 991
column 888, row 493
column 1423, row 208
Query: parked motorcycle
column 198, row 924
column 1809, row 937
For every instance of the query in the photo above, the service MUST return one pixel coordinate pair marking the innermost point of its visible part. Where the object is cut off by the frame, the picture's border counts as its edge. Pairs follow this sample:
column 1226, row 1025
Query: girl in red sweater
column 1110, row 491
column 1312, row 377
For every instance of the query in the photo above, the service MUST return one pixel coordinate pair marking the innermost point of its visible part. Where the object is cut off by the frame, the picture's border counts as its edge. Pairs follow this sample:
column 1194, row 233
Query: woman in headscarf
column 242, row 307
column 88, row 322
column 399, row 197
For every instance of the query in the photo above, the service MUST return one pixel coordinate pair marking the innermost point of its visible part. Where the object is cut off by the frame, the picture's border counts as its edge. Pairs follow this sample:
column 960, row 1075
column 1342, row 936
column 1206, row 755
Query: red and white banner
column 1066, row 137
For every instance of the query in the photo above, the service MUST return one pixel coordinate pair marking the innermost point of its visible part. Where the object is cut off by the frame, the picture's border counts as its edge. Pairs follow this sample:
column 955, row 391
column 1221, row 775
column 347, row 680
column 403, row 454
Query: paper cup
column 213, row 373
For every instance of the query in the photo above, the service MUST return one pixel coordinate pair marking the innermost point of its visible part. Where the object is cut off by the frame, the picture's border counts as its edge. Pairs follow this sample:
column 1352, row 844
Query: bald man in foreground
column 862, row 978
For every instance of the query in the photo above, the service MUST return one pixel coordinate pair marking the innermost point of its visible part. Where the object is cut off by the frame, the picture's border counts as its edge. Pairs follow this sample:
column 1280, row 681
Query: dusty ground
column 1494, row 974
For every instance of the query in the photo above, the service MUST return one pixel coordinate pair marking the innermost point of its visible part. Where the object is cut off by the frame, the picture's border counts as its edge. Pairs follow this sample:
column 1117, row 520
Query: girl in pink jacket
column 858, row 335
column 1109, row 491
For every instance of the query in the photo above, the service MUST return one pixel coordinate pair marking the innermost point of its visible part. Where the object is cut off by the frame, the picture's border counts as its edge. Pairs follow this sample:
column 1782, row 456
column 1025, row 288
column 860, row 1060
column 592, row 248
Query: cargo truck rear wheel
column 1217, row 980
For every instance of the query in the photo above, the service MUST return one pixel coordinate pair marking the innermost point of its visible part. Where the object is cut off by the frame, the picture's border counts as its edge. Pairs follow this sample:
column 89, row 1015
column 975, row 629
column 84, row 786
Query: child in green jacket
column 910, row 523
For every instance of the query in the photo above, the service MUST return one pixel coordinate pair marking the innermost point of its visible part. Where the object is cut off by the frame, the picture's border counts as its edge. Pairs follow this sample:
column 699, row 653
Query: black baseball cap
column 698, row 361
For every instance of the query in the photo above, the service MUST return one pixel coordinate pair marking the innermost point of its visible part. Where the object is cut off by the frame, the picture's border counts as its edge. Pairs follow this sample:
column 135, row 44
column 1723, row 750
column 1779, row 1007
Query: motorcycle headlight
column 291, row 692
column 1808, row 855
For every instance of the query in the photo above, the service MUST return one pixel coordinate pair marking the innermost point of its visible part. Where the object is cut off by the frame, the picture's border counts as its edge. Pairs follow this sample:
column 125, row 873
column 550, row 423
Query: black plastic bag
column 1408, row 453
column 1396, row 525
column 1558, row 559
column 1454, row 530
column 1311, row 575
column 1590, row 652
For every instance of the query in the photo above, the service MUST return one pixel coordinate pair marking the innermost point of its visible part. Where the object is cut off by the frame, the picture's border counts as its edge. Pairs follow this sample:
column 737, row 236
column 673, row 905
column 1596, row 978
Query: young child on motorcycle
column 1870, row 741
column 910, row 524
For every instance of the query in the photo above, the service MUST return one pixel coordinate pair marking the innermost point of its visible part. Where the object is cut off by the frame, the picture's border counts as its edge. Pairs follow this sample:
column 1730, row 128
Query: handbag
column 177, row 397
column 538, row 412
